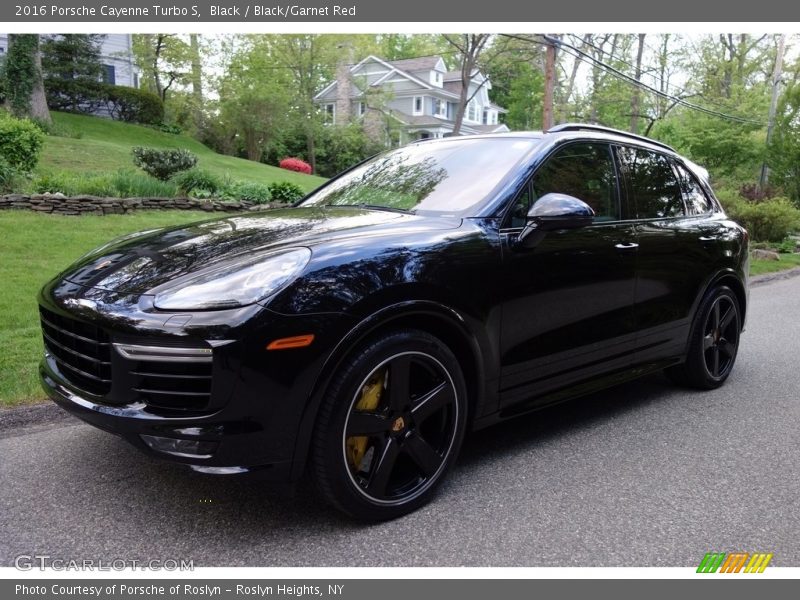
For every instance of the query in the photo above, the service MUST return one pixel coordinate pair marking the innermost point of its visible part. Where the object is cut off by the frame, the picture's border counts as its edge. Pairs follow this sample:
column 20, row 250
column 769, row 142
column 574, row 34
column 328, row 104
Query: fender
column 722, row 274
column 486, row 397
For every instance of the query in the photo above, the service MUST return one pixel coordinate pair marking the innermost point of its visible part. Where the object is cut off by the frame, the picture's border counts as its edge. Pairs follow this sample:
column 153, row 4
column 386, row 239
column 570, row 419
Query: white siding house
column 116, row 55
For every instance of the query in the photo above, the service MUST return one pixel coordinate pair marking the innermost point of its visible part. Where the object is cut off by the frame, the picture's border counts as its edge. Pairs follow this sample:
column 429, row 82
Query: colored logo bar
column 734, row 562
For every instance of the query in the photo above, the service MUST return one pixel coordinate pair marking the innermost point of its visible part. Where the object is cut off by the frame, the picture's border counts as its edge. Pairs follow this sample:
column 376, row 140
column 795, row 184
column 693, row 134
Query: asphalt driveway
column 646, row 474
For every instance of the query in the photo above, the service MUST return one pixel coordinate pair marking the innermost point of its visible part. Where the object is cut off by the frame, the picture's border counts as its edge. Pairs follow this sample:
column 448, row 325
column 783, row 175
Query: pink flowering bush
column 295, row 164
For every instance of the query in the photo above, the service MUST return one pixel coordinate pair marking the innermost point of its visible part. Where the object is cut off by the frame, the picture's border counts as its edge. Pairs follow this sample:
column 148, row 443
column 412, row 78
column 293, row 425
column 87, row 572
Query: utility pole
column 636, row 93
column 777, row 73
column 549, row 85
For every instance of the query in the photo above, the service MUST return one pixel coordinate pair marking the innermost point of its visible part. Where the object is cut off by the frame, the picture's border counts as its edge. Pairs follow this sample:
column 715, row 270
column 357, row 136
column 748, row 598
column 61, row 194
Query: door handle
column 626, row 246
column 706, row 239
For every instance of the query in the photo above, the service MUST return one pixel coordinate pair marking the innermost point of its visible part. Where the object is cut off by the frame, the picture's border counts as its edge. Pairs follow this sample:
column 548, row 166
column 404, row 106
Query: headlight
column 239, row 285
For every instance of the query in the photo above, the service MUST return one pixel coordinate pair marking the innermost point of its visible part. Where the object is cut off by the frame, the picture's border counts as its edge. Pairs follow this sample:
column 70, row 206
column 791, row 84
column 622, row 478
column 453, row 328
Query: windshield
column 449, row 177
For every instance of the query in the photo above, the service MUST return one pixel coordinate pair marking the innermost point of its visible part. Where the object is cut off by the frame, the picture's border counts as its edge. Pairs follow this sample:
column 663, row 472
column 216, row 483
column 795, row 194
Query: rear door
column 673, row 255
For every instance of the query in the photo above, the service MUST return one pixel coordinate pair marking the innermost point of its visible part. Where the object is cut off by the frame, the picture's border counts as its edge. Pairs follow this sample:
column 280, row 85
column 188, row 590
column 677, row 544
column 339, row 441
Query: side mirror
column 554, row 211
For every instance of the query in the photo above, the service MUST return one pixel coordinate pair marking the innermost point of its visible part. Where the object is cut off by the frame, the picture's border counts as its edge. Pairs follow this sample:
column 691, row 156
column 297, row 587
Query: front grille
column 174, row 385
column 81, row 350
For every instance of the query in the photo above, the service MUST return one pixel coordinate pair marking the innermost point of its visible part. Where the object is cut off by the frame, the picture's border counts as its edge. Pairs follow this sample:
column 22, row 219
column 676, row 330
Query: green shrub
column 163, row 164
column 131, row 184
column 122, row 184
column 285, row 192
column 769, row 221
column 74, row 184
column 20, row 142
column 248, row 191
column 168, row 128
column 787, row 246
column 197, row 179
column 8, row 176
column 133, row 105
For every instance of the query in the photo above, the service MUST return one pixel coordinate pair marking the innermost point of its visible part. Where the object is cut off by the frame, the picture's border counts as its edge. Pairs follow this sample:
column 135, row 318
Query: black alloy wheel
column 721, row 336
column 713, row 343
column 391, row 426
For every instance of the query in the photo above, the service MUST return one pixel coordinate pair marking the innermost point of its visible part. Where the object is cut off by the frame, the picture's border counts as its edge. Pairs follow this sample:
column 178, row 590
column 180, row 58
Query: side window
column 585, row 171
column 654, row 186
column 697, row 203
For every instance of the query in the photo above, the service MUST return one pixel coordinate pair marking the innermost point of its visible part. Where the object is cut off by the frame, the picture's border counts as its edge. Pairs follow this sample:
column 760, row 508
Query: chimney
column 344, row 87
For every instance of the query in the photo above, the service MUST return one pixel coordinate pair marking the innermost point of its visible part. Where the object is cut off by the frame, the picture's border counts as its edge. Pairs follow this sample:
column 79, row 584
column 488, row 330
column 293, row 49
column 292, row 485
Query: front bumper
column 235, row 442
column 258, row 401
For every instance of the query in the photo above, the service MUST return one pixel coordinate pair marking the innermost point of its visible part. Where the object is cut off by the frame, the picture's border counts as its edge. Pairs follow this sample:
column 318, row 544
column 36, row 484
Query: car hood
column 140, row 262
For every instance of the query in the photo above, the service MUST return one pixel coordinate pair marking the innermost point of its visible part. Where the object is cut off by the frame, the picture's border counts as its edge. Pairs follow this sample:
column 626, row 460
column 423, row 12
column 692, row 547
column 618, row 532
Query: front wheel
column 390, row 426
column 714, row 342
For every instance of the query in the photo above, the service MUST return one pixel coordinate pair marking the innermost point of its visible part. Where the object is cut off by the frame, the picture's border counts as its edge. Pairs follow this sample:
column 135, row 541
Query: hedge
column 88, row 97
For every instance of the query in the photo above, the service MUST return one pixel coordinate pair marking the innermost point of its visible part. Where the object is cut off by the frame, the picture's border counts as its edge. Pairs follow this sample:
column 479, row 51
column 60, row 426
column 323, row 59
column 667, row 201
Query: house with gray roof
column 415, row 98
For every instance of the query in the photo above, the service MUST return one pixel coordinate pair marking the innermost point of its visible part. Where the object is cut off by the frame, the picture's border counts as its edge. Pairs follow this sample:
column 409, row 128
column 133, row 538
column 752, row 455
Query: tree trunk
column 197, row 80
column 35, row 105
column 635, row 96
column 549, row 86
column 470, row 47
column 776, row 83
column 573, row 74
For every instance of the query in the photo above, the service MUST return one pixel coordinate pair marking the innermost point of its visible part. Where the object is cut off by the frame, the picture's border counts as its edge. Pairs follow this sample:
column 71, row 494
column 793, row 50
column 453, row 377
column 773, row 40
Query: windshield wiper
column 371, row 207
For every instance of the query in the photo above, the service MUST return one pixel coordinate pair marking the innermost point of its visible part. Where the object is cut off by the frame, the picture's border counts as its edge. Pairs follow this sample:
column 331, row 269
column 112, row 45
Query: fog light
column 177, row 447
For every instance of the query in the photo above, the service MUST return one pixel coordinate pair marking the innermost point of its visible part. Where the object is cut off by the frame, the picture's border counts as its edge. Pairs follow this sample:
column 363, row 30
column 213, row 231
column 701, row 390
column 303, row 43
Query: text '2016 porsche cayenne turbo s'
column 439, row 287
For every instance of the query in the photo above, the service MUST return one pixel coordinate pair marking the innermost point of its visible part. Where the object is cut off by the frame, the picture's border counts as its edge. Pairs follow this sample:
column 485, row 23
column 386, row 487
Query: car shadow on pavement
column 251, row 513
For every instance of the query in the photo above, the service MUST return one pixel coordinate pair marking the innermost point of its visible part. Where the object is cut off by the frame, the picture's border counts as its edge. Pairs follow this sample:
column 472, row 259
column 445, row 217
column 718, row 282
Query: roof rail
column 589, row 127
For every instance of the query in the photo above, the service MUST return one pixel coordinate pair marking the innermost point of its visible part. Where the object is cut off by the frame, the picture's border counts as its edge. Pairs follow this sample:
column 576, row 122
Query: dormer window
column 436, row 78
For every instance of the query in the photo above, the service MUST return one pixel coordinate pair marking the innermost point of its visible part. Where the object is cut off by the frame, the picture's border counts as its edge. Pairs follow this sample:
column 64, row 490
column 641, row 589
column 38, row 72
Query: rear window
column 697, row 203
column 449, row 177
column 653, row 183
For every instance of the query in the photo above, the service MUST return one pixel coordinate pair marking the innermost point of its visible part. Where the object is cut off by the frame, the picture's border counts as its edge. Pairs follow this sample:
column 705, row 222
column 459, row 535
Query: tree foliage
column 74, row 58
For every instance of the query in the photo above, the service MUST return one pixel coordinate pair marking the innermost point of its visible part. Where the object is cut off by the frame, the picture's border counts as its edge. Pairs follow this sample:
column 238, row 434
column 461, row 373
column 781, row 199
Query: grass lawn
column 787, row 261
column 34, row 248
column 105, row 146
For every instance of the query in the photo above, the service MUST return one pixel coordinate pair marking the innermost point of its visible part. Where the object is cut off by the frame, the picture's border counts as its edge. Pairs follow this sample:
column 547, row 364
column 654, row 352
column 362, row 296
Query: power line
column 580, row 54
column 648, row 71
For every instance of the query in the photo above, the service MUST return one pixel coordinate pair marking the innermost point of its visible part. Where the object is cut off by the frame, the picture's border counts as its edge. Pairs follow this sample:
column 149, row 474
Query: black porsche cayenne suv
column 442, row 286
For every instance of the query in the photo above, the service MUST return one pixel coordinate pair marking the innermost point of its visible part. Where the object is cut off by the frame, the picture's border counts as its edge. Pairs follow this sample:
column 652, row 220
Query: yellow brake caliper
column 356, row 446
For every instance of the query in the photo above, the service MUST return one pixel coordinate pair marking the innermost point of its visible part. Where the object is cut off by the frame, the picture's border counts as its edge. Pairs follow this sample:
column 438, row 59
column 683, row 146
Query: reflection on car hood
column 140, row 263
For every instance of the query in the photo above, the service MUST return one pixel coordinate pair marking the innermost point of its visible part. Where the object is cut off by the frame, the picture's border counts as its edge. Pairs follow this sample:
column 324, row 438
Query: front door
column 568, row 304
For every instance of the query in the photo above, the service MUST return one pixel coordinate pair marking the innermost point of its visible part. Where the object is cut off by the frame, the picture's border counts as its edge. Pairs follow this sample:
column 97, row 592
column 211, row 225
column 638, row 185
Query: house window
column 486, row 117
column 472, row 111
column 136, row 80
column 329, row 112
column 361, row 109
column 418, row 105
column 440, row 108
column 109, row 74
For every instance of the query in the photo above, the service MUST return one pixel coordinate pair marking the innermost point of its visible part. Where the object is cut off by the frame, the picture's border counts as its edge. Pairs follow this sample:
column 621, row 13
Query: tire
column 390, row 426
column 713, row 342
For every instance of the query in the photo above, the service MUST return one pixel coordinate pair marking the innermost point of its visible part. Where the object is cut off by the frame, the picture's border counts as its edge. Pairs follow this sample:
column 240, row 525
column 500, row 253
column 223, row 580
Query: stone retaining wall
column 93, row 205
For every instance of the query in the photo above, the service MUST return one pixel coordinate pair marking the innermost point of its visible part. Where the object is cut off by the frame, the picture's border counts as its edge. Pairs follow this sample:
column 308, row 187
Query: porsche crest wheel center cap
column 398, row 425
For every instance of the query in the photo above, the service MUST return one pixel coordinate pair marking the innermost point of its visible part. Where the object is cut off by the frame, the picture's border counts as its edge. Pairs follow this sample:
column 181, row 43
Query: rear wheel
column 714, row 342
column 390, row 426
